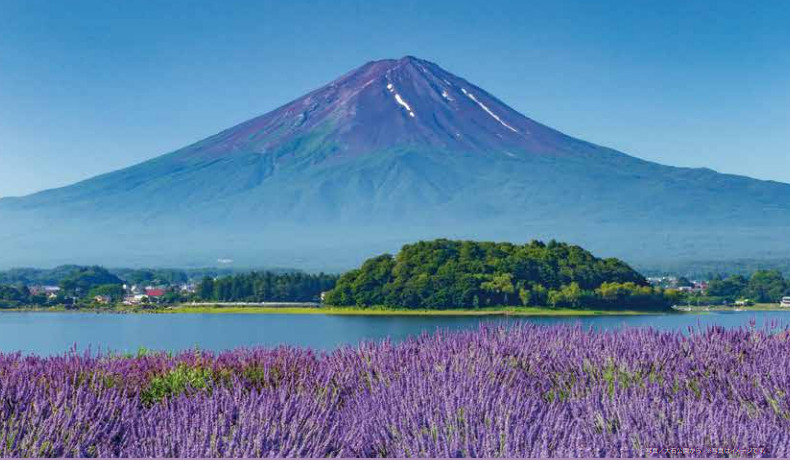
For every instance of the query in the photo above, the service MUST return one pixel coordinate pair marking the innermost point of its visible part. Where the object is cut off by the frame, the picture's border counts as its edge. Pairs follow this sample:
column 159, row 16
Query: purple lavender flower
column 520, row 391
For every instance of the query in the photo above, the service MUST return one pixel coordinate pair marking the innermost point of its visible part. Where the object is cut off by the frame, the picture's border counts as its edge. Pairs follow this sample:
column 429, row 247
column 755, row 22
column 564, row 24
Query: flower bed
column 520, row 391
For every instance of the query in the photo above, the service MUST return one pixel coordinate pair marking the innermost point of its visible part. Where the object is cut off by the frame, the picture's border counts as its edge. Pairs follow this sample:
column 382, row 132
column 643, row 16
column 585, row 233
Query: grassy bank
column 383, row 311
column 342, row 311
column 112, row 309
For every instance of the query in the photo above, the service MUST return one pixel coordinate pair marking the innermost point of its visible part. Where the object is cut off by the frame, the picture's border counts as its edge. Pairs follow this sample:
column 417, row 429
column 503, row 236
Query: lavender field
column 525, row 390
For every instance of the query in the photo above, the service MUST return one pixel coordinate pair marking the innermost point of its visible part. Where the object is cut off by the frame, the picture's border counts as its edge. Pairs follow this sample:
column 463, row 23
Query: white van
column 785, row 302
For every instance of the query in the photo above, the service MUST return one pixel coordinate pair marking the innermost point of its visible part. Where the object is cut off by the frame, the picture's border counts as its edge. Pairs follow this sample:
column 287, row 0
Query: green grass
column 175, row 382
column 384, row 311
column 84, row 309
column 347, row 311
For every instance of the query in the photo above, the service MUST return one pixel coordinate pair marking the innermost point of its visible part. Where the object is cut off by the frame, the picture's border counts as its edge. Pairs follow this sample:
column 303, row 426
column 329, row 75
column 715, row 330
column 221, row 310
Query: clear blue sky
column 91, row 86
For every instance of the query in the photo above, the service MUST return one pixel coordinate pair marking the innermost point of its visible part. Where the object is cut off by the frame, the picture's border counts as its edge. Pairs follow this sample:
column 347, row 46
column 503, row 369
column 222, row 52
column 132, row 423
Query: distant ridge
column 393, row 151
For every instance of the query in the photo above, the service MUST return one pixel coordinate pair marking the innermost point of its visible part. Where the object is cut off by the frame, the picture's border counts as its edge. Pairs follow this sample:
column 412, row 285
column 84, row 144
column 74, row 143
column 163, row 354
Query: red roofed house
column 154, row 292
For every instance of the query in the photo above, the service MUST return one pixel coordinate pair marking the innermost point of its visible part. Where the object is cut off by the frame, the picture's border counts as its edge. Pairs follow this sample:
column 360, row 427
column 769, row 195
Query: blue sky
column 91, row 86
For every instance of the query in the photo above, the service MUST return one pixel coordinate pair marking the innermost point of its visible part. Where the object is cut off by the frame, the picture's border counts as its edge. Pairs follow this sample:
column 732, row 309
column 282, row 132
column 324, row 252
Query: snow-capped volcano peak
column 390, row 104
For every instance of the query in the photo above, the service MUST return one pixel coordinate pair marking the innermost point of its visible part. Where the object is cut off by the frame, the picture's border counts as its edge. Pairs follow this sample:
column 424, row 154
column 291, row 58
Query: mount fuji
column 393, row 151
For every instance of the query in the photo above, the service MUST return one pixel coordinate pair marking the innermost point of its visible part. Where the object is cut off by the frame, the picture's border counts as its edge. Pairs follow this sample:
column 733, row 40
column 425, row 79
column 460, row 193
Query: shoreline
column 207, row 308
column 374, row 311
column 350, row 311
column 720, row 308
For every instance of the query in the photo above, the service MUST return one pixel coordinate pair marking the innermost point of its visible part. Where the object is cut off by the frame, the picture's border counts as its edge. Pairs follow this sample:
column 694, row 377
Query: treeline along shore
column 439, row 275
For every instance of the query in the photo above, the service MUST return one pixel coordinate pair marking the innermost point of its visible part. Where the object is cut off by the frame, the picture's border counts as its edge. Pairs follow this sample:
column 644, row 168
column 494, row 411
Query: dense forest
column 453, row 274
column 83, row 280
column 766, row 286
column 266, row 287
column 18, row 296
column 36, row 276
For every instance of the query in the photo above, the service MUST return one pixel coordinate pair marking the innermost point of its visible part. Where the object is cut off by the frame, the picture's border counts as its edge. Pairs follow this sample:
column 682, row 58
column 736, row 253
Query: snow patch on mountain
column 483, row 106
column 400, row 101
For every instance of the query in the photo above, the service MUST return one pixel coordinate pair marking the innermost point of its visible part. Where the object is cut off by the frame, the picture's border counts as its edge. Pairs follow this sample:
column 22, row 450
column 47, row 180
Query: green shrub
column 179, row 380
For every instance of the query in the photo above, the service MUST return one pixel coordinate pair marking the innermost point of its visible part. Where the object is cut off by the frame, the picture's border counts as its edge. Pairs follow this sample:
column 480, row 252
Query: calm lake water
column 55, row 333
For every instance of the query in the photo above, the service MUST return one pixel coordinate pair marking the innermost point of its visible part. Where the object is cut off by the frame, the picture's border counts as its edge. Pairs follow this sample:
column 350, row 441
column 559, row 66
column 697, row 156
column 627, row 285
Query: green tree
column 569, row 295
column 14, row 296
column 500, row 286
column 205, row 289
column 540, row 295
column 729, row 288
column 80, row 281
column 525, row 295
column 266, row 287
column 766, row 286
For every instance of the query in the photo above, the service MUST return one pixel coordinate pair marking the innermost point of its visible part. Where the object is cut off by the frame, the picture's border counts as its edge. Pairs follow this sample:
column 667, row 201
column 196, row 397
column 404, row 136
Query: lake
column 54, row 333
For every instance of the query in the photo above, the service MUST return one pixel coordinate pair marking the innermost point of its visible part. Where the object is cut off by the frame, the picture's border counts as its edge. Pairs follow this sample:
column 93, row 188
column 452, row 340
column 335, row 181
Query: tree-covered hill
column 462, row 274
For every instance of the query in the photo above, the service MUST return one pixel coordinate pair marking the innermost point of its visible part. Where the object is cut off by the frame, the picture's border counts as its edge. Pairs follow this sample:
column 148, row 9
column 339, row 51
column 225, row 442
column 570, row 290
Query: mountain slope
column 392, row 151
